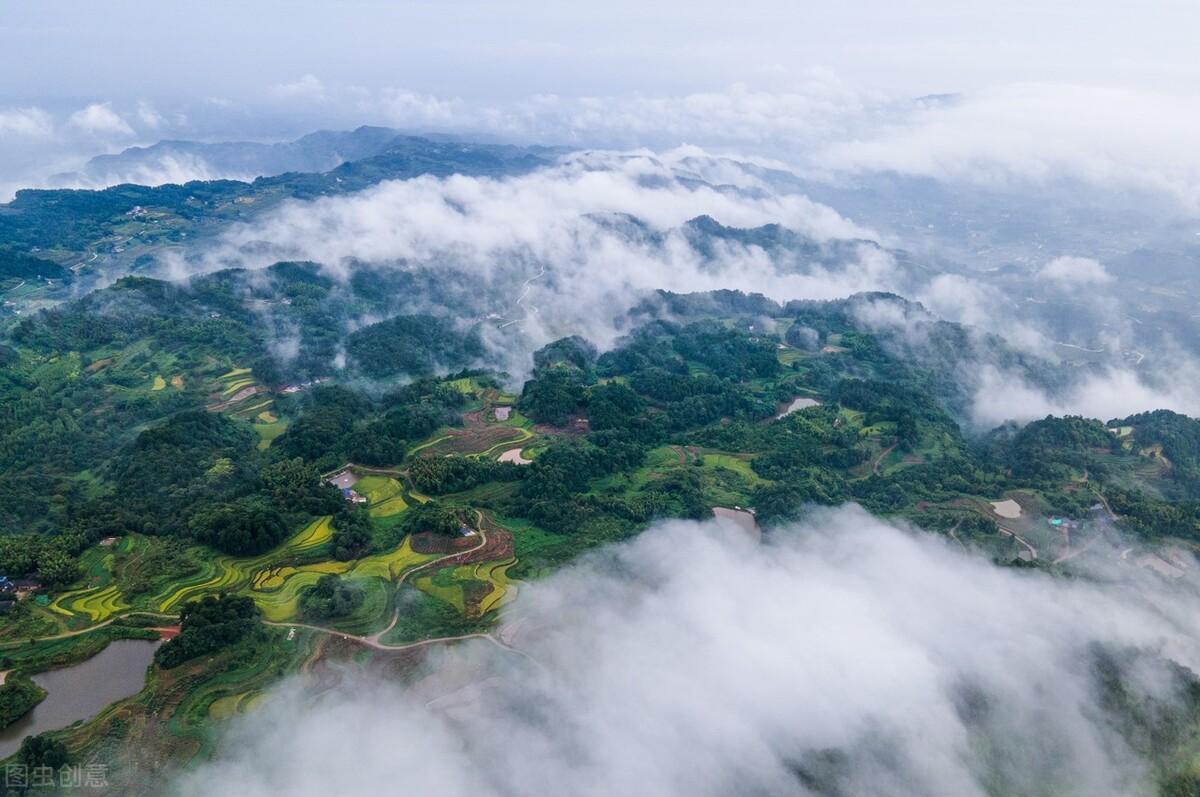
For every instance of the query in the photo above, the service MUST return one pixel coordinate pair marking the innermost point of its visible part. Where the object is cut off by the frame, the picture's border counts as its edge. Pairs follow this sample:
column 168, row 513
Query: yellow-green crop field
column 391, row 565
column 232, row 573
column 449, row 584
column 97, row 603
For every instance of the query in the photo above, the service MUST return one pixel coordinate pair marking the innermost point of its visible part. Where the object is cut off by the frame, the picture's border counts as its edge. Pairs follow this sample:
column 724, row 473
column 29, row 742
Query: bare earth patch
column 1007, row 508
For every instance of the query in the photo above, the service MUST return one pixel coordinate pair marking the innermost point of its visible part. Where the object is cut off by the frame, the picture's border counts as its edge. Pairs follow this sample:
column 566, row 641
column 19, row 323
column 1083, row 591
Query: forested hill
column 68, row 226
column 227, row 452
column 86, row 382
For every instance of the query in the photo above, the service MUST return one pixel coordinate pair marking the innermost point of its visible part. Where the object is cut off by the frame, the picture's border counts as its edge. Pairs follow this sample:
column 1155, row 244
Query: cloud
column 1073, row 271
column 1039, row 132
column 411, row 109
column 308, row 87
column 563, row 241
column 1005, row 136
column 149, row 115
column 173, row 167
column 99, row 119
column 561, row 238
column 691, row 661
column 1114, row 392
column 27, row 122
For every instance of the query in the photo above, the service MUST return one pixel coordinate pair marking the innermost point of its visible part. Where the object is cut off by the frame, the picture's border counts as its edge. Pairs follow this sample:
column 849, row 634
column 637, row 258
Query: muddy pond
column 83, row 690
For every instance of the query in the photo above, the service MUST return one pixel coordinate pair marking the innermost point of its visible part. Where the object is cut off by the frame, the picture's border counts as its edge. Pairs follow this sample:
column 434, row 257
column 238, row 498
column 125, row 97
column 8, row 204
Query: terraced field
column 377, row 488
column 101, row 598
column 389, row 566
column 383, row 493
column 281, row 603
column 496, row 573
column 472, row 589
column 277, row 590
column 96, row 603
column 480, row 436
column 737, row 464
column 275, row 580
column 240, row 395
column 229, row 573
column 268, row 432
column 232, row 705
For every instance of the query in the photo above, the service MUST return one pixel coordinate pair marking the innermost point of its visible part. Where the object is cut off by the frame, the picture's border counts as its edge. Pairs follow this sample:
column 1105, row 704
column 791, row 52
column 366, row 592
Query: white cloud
column 99, row 119
column 1103, row 136
column 1073, row 271
column 412, row 109
column 500, row 232
column 149, row 115
column 308, row 87
column 1005, row 136
column 1111, row 393
column 169, row 167
column 554, row 237
column 694, row 662
column 27, row 122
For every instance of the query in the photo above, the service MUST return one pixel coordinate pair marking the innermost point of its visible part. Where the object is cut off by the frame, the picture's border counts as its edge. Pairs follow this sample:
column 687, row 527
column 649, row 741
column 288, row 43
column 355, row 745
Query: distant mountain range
column 179, row 161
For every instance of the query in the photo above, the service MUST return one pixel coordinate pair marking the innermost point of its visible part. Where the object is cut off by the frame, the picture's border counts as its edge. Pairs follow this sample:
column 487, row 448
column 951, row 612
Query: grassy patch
column 268, row 433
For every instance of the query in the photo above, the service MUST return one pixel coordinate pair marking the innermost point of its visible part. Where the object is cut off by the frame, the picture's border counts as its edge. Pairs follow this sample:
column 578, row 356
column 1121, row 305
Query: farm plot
column 276, row 579
column 280, row 603
column 240, row 395
column 229, row 573
column 477, row 439
column 96, row 603
column 101, row 598
column 391, row 565
column 384, row 494
column 472, row 589
column 232, row 705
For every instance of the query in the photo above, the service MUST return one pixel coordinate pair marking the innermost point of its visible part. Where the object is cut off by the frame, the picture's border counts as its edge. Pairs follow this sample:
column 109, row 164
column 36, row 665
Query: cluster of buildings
column 345, row 479
column 298, row 386
column 16, row 589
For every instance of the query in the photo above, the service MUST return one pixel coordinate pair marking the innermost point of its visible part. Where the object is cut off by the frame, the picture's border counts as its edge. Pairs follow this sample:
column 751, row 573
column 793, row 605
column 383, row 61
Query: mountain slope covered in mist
column 319, row 431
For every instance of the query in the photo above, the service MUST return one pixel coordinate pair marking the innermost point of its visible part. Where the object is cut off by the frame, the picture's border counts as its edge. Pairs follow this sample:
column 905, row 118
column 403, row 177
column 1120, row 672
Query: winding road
column 526, row 287
column 375, row 640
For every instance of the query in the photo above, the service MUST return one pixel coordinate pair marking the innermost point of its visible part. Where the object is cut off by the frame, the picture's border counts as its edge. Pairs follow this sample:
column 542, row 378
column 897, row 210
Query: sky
column 1110, row 93
column 505, row 50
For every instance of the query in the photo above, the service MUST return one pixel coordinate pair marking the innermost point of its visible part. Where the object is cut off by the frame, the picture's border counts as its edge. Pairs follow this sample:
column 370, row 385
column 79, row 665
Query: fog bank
column 849, row 656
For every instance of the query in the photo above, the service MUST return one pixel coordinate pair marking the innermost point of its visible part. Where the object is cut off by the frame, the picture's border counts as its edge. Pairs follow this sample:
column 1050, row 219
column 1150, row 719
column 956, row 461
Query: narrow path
column 526, row 287
column 879, row 459
column 953, row 534
column 1009, row 532
column 64, row 635
column 88, row 630
column 374, row 640
column 368, row 468
column 1068, row 555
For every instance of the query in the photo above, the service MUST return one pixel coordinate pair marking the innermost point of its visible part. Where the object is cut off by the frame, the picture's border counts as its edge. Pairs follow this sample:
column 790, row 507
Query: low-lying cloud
column 1109, row 393
column 847, row 654
column 569, row 248
column 1074, row 271
column 578, row 243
